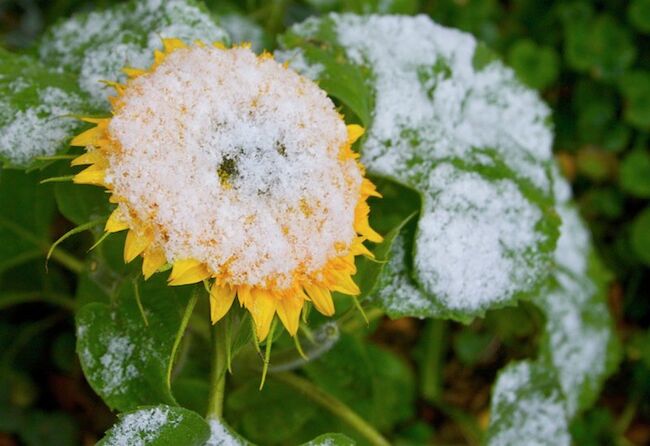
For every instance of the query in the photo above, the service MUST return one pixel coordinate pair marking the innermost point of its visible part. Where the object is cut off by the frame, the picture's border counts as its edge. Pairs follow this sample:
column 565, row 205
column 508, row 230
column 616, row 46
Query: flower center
column 234, row 161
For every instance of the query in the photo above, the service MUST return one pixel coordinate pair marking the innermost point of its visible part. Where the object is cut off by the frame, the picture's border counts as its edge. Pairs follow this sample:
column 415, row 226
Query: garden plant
column 328, row 222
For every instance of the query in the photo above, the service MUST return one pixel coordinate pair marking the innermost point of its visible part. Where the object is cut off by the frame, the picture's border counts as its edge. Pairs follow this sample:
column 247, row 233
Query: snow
column 117, row 366
column 474, row 237
column 220, row 435
column 478, row 239
column 98, row 45
column 234, row 161
column 578, row 326
column 37, row 130
column 399, row 295
column 142, row 427
column 523, row 411
column 241, row 29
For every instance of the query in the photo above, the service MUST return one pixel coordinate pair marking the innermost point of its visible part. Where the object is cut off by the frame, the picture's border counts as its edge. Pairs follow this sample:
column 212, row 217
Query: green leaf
column 371, row 381
column 331, row 440
column 639, row 14
column 223, row 435
column 274, row 415
column 39, row 109
column 600, row 46
column 635, row 173
column 579, row 340
column 81, row 203
column 96, row 46
column 158, row 426
column 527, row 407
column 472, row 141
column 635, row 86
column 537, row 67
column 641, row 235
column 26, row 213
column 127, row 348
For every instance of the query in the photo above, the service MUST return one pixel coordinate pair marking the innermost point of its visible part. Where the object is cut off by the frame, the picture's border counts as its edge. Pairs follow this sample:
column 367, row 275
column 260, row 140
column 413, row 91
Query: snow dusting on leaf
column 579, row 340
column 142, row 427
column 464, row 133
column 527, row 408
column 222, row 435
column 97, row 46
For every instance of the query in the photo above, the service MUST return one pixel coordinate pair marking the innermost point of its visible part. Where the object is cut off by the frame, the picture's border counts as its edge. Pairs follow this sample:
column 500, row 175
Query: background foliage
column 591, row 61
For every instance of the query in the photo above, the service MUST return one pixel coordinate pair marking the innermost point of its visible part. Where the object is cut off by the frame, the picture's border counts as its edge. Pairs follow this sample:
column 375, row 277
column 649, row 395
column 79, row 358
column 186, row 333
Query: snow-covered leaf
column 579, row 340
column 331, row 440
column 98, row 45
column 527, row 408
column 158, row 426
column 37, row 109
column 223, row 435
column 447, row 119
column 127, row 349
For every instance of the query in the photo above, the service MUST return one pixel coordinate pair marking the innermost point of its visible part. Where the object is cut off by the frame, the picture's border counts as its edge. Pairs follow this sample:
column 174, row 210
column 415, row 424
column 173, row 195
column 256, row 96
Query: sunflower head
column 233, row 169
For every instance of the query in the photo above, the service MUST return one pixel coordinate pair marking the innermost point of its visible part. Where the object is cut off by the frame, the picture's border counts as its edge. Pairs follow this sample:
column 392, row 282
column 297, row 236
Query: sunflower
column 234, row 170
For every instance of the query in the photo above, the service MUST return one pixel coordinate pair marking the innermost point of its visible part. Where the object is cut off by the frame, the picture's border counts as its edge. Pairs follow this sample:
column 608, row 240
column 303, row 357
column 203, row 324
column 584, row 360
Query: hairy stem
column 219, row 368
column 333, row 405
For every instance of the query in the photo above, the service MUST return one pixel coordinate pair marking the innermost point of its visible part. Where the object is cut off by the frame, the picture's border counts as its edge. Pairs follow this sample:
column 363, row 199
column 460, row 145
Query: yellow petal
column 92, row 175
column 158, row 57
column 188, row 271
column 153, row 260
column 262, row 308
column 119, row 88
column 369, row 189
column 345, row 284
column 134, row 245
column 354, row 132
column 219, row 45
column 358, row 248
column 321, row 298
column 88, row 137
column 133, row 72
column 91, row 157
column 244, row 295
column 288, row 308
column 115, row 222
column 173, row 44
column 221, row 298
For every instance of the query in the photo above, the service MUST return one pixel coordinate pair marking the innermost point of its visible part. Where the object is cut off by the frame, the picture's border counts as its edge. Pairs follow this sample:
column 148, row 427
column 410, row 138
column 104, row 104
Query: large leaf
column 38, row 106
column 26, row 213
column 98, row 45
column 527, row 408
column 127, row 348
column 158, row 426
column 446, row 119
column 579, row 340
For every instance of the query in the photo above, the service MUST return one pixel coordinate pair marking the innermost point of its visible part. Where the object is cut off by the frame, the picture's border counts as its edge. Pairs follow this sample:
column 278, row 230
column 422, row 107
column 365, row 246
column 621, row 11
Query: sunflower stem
column 333, row 405
column 219, row 368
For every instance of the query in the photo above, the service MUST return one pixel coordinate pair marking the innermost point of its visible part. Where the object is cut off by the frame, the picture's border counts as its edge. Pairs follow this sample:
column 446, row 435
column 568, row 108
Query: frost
column 264, row 193
column 99, row 45
column 142, row 427
column 220, row 435
column 117, row 365
column 469, row 137
column 527, row 409
column 38, row 130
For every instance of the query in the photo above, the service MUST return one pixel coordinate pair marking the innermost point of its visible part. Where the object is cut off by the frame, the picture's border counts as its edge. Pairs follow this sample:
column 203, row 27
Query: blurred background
column 591, row 62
